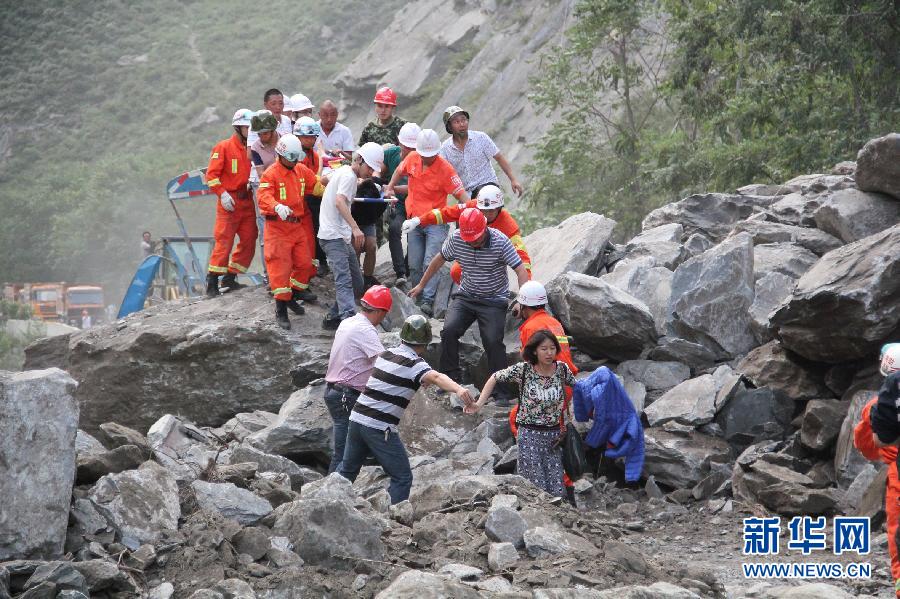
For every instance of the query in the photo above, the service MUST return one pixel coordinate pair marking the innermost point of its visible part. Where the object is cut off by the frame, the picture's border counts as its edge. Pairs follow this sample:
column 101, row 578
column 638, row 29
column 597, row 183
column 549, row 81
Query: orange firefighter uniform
column 537, row 321
column 229, row 170
column 287, row 249
column 862, row 438
column 504, row 223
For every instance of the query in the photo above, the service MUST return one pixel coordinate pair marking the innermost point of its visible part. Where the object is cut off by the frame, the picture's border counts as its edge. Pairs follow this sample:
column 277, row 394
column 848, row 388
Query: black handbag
column 574, row 461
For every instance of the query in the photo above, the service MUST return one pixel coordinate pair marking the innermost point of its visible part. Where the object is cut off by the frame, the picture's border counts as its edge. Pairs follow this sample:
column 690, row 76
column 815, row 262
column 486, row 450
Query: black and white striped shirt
column 483, row 269
column 395, row 379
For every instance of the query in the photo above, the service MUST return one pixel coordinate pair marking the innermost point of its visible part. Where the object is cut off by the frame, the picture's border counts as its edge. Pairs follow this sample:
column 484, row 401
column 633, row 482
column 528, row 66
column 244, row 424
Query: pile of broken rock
column 744, row 326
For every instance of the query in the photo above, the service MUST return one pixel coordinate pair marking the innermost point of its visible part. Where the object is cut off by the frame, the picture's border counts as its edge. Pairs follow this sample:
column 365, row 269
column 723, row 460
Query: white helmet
column 300, row 102
column 489, row 197
column 890, row 358
column 306, row 126
column 287, row 108
column 373, row 155
column 408, row 135
column 427, row 143
column 288, row 147
column 242, row 117
column 532, row 294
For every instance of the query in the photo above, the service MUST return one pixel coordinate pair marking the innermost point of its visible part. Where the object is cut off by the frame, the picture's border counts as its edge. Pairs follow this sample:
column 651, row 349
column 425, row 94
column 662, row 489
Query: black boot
column 294, row 307
column 230, row 283
column 305, row 294
column 281, row 316
column 212, row 285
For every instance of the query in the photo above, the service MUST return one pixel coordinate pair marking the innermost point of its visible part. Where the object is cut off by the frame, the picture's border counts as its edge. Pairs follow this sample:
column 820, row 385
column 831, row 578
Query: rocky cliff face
column 478, row 54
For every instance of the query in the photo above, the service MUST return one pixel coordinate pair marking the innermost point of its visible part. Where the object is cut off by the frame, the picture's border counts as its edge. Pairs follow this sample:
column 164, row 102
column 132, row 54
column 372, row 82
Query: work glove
column 282, row 211
column 409, row 225
column 227, row 201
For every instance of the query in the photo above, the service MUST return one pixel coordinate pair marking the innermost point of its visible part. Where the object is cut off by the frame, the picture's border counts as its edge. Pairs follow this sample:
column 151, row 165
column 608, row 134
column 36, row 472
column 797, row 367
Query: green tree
column 604, row 84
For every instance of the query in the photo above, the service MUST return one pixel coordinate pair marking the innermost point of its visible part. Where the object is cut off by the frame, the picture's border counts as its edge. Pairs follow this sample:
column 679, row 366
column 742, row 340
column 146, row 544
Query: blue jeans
column 348, row 279
column 422, row 246
column 388, row 450
column 339, row 401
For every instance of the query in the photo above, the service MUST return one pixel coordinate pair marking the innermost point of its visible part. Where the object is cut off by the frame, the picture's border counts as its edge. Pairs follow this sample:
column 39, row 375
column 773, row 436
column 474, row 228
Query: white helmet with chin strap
column 288, row 147
column 489, row 197
column 242, row 117
column 532, row 294
column 890, row 358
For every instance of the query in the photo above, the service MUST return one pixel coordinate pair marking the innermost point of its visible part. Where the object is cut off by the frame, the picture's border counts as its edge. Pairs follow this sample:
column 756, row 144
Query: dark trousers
column 395, row 217
column 491, row 317
column 340, row 402
column 315, row 204
column 388, row 449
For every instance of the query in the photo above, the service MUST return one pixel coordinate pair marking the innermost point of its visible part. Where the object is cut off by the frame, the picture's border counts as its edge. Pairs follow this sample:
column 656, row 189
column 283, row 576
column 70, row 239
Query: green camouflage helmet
column 450, row 113
column 263, row 121
column 416, row 330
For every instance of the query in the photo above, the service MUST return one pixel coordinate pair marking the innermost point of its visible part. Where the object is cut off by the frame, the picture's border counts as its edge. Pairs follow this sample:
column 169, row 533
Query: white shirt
column 340, row 138
column 285, row 126
column 331, row 224
column 473, row 162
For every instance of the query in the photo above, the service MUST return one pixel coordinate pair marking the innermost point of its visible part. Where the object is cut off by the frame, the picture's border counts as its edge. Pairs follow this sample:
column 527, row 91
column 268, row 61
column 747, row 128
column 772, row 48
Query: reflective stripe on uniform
column 213, row 182
column 563, row 339
column 298, row 284
column 281, row 290
column 237, row 267
column 215, row 154
column 517, row 242
column 282, row 192
column 234, row 166
column 897, row 586
column 438, row 217
column 527, row 265
column 263, row 185
column 218, row 270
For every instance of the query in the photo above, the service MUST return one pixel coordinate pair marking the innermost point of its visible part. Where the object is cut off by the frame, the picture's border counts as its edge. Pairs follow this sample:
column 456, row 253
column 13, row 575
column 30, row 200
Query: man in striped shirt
column 397, row 375
column 483, row 295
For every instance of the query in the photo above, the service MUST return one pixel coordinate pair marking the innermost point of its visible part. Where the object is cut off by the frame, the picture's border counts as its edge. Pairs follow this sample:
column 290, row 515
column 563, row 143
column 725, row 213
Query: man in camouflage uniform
column 386, row 127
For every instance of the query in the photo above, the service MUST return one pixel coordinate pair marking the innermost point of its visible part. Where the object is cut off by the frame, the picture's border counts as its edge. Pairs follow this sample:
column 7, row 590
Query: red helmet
column 379, row 297
column 386, row 95
column 472, row 223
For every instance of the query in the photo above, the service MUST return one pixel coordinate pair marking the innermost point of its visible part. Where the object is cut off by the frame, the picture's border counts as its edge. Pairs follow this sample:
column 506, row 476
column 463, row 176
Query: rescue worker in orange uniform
column 531, row 305
column 287, row 249
column 307, row 131
column 490, row 202
column 227, row 176
column 876, row 437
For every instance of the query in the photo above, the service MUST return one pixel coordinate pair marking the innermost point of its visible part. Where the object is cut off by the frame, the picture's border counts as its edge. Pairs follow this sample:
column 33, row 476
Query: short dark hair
column 529, row 352
column 145, row 233
column 270, row 93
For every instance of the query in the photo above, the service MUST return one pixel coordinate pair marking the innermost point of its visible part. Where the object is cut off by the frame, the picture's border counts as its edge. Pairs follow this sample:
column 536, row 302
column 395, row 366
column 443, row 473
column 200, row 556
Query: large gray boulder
column 268, row 462
column 764, row 231
column 848, row 461
column 772, row 366
column 822, row 422
column 770, row 291
column 662, row 244
column 787, row 258
column 302, row 430
column 604, row 320
column 574, row 245
column 203, row 360
column 140, row 503
column 878, row 165
column 240, row 505
column 848, row 304
column 758, row 479
column 655, row 376
column 681, row 462
column 711, row 214
column 754, row 415
column 38, row 426
column 694, row 402
column 797, row 209
column 711, row 297
column 646, row 282
column 326, row 529
column 851, row 214
column 416, row 584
